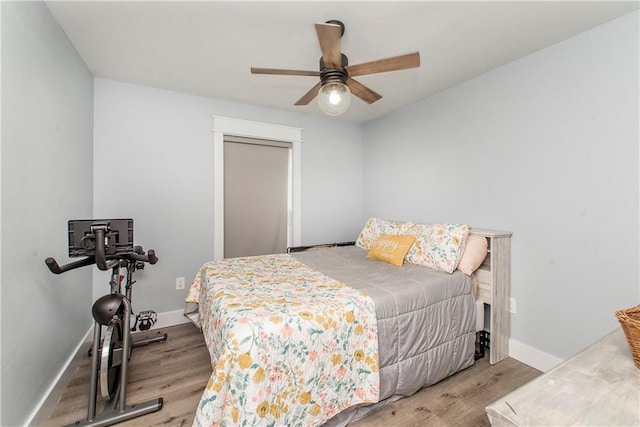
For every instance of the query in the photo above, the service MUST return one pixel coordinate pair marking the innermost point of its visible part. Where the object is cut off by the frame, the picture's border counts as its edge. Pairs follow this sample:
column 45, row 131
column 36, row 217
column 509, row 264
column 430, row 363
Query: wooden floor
column 177, row 370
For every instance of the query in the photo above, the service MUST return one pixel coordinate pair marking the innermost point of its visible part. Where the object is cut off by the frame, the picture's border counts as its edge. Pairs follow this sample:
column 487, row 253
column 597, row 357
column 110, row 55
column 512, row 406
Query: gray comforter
column 426, row 319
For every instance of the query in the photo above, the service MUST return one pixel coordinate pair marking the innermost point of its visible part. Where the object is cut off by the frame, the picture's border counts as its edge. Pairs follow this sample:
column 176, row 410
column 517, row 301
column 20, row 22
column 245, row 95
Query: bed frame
column 494, row 281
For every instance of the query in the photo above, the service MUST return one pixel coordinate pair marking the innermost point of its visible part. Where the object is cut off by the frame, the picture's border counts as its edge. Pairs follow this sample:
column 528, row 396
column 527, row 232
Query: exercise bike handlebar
column 57, row 269
column 150, row 257
column 100, row 255
column 137, row 255
column 101, row 259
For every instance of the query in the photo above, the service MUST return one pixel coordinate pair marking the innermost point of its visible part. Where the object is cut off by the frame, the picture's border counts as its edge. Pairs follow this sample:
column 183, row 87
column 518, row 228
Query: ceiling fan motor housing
column 332, row 74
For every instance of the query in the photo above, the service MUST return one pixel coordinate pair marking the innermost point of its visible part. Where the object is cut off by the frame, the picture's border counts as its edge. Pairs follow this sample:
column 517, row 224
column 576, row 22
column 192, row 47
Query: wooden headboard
column 494, row 282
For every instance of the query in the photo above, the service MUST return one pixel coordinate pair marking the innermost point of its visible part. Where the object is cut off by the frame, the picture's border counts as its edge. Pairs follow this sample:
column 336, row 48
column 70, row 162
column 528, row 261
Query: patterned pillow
column 438, row 246
column 374, row 227
column 391, row 248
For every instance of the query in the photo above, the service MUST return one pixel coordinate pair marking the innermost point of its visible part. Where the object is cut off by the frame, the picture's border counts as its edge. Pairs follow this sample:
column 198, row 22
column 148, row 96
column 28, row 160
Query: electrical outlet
column 512, row 306
column 179, row 283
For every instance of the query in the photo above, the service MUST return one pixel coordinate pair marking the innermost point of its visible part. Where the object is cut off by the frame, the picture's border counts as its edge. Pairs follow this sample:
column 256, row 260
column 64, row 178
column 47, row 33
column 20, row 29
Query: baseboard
column 532, row 356
column 170, row 318
column 46, row 405
column 54, row 392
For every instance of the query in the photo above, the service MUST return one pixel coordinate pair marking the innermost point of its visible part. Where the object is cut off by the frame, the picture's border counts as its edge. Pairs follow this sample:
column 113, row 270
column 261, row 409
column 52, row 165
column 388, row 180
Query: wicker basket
column 630, row 321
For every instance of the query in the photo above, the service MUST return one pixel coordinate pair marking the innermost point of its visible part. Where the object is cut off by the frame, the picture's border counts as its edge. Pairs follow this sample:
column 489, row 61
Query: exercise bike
column 109, row 245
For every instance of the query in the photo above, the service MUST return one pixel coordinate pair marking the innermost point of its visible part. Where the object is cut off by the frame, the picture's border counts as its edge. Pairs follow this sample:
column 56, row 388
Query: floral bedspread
column 289, row 345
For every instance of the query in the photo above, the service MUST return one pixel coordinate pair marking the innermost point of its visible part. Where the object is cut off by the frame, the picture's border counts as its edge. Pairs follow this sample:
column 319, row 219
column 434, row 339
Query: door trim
column 245, row 128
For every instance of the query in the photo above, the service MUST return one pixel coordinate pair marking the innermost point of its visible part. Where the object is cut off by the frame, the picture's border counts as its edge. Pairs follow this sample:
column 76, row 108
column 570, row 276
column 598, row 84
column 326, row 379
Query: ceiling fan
column 336, row 75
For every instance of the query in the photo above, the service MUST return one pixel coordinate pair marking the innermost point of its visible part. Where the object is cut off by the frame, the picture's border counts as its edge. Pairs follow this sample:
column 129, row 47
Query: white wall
column 47, row 116
column 546, row 147
column 153, row 157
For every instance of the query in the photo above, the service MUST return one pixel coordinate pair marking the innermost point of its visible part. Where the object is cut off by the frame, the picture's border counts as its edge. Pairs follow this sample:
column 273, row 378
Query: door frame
column 250, row 129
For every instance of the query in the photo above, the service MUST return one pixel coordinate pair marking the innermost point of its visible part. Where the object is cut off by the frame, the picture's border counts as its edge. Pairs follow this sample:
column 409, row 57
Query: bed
column 322, row 337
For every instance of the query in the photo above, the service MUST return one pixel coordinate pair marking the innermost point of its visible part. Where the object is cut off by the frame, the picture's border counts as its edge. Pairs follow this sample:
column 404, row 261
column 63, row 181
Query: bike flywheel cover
column 111, row 360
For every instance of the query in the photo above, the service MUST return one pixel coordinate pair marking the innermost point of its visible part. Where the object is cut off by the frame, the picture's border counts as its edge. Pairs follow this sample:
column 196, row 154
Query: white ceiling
column 207, row 47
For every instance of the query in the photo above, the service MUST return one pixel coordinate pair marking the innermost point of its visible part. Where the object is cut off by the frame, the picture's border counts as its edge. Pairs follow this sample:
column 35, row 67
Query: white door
column 225, row 127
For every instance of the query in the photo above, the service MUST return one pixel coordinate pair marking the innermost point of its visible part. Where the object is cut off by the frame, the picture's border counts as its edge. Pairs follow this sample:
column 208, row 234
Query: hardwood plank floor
column 178, row 370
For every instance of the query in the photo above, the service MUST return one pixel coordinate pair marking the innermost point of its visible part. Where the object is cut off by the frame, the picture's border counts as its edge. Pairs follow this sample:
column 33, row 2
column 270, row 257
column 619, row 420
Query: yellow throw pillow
column 391, row 248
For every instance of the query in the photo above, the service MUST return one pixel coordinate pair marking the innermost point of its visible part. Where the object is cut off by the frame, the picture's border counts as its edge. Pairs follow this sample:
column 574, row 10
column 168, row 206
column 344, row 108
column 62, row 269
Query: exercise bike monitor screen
column 118, row 235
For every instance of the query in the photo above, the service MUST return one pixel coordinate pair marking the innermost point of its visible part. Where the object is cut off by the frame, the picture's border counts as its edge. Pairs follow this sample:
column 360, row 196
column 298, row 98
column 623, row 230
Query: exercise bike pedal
column 145, row 320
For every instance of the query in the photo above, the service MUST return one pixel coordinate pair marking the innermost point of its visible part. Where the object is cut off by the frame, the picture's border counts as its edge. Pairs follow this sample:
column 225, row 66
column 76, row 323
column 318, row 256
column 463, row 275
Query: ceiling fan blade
column 362, row 92
column 329, row 37
column 307, row 97
column 256, row 70
column 402, row 62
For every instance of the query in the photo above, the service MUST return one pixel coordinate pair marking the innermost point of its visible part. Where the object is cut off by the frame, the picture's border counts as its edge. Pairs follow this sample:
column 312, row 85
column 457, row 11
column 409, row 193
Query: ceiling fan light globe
column 334, row 98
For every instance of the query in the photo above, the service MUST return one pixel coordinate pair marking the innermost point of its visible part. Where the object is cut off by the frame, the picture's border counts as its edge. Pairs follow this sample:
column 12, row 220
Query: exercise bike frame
column 116, row 410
